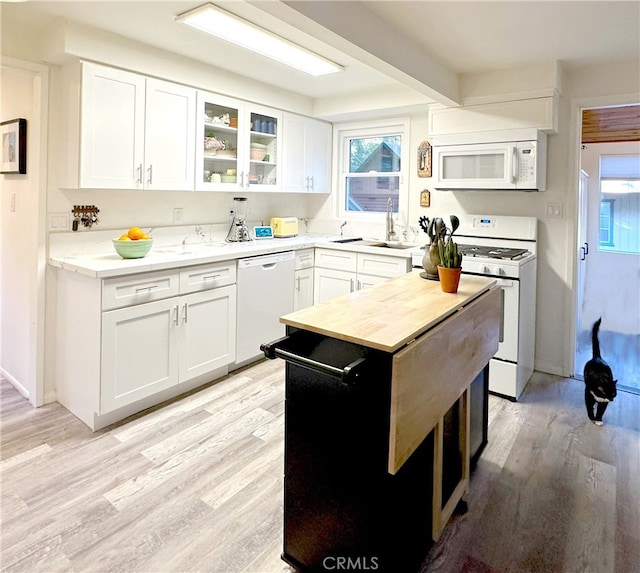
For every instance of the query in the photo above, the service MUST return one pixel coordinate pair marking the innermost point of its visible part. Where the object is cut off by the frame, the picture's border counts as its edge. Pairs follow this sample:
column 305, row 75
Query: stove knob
column 501, row 271
column 486, row 270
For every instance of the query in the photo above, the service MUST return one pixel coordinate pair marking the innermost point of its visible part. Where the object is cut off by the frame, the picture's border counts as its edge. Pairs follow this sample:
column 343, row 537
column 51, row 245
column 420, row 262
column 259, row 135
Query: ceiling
column 454, row 36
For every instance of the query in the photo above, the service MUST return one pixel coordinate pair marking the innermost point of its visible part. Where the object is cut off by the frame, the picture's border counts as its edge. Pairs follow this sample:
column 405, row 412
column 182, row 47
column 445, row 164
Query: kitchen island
column 377, row 419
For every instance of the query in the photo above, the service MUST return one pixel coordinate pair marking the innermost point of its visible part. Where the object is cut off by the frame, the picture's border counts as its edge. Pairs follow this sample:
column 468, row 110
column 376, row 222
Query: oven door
column 508, row 346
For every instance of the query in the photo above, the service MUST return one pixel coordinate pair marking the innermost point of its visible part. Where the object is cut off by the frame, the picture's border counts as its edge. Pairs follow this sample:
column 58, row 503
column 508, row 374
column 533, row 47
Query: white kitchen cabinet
column 339, row 272
column 330, row 283
column 207, row 331
column 306, row 154
column 170, row 133
column 303, row 277
column 252, row 145
column 132, row 132
column 303, row 294
column 124, row 344
column 139, row 353
column 154, row 346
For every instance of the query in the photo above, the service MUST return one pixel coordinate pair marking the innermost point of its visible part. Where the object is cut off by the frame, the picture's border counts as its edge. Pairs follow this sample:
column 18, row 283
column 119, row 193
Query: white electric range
column 504, row 247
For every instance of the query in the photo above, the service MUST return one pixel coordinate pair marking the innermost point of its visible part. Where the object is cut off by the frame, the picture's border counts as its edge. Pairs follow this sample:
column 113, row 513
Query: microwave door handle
column 514, row 164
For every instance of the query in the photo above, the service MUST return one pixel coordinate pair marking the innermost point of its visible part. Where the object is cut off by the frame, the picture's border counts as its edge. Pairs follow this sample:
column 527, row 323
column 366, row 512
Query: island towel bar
column 347, row 374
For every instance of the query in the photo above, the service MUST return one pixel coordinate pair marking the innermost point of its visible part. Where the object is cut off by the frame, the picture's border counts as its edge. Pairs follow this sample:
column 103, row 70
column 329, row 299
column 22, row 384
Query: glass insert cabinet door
column 238, row 145
column 220, row 143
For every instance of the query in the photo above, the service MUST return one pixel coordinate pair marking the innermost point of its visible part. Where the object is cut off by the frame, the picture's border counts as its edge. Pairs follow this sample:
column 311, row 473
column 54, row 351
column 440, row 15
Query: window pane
column 619, row 204
column 378, row 154
column 370, row 193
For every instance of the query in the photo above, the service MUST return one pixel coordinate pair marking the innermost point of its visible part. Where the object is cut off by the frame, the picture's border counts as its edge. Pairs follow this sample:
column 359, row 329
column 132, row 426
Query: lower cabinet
column 154, row 346
column 303, row 293
column 126, row 343
column 303, row 277
column 341, row 272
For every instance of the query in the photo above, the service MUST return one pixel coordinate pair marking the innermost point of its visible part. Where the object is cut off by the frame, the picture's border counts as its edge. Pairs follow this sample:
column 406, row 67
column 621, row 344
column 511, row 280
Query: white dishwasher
column 265, row 292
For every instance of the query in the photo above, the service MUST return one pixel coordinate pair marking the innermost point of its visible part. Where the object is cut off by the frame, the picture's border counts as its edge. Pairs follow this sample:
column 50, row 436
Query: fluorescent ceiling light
column 229, row 27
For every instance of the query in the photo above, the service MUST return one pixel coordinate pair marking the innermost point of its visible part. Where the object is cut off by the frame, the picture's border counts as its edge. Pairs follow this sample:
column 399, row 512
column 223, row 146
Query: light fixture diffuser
column 227, row 26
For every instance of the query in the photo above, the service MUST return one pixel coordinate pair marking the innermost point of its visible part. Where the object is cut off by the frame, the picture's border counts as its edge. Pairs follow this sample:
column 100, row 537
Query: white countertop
column 99, row 259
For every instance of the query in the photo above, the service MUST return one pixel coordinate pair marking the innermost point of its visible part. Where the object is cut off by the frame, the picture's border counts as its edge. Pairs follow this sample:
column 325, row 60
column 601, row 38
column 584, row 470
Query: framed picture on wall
column 14, row 146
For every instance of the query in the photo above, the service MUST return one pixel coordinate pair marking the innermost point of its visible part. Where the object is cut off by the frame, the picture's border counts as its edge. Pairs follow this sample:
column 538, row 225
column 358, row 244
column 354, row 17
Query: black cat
column 600, row 387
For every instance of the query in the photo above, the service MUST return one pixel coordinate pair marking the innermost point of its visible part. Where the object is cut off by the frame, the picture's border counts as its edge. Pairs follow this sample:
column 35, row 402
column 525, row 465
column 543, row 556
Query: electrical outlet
column 59, row 222
column 178, row 215
column 554, row 210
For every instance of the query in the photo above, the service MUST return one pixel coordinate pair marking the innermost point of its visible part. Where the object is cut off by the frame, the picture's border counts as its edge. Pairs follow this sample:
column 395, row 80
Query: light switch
column 554, row 210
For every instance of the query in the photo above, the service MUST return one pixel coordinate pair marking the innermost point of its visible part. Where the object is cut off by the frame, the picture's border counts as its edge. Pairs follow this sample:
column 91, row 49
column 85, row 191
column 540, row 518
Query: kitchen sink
column 381, row 244
column 394, row 245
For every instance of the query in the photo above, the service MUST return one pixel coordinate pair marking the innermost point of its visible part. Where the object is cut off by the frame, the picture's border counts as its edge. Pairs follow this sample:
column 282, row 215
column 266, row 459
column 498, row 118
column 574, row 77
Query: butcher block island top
column 389, row 315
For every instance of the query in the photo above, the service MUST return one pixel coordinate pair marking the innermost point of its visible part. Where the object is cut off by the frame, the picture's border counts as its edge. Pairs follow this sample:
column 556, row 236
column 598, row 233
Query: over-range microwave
column 509, row 160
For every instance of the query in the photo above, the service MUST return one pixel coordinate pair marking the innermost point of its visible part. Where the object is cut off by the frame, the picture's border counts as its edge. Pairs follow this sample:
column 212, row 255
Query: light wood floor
column 196, row 485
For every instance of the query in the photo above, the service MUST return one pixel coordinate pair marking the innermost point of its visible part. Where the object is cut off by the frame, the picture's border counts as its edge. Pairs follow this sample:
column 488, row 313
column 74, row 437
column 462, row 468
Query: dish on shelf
column 228, row 178
column 257, row 154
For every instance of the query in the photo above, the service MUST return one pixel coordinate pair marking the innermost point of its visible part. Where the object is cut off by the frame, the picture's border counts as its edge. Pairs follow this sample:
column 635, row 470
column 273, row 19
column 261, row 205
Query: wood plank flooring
column 196, row 485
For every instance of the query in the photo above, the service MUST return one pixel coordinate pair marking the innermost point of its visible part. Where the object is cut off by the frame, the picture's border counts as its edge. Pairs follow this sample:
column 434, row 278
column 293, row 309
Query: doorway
column 608, row 277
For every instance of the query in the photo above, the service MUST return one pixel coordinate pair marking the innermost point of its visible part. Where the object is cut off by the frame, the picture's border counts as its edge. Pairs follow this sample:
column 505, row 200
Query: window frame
column 342, row 134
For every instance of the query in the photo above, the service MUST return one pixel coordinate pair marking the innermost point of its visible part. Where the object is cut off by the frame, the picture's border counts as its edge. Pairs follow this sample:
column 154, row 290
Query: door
column 207, row 334
column 112, row 128
column 612, row 262
column 170, row 135
column 220, row 139
column 330, row 283
column 294, row 159
column 319, row 136
column 303, row 294
column 139, row 353
column 367, row 281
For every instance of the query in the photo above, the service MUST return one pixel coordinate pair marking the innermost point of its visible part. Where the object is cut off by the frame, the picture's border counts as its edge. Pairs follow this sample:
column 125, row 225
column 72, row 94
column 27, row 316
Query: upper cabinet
column 128, row 131
column 306, row 154
column 134, row 132
column 238, row 145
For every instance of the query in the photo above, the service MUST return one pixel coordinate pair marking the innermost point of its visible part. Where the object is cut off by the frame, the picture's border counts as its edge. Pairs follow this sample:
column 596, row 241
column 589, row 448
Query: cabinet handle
column 359, row 284
column 140, row 174
column 147, row 288
column 350, row 285
column 185, row 317
column 210, row 277
column 298, row 283
column 150, row 174
column 175, row 315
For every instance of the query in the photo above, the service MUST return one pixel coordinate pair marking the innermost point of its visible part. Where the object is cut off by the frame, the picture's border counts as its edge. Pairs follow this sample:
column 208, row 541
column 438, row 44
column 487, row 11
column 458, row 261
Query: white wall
column 22, row 235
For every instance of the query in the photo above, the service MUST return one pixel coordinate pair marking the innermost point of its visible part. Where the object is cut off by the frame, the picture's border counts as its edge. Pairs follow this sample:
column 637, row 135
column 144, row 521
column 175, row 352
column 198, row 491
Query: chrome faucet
column 390, row 230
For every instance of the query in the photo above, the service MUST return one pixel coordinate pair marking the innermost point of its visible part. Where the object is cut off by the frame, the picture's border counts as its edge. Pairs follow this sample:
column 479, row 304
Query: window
column 606, row 223
column 619, row 203
column 370, row 161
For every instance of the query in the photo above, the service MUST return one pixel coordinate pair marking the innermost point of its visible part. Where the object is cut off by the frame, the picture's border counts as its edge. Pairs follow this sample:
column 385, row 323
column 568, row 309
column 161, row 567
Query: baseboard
column 14, row 382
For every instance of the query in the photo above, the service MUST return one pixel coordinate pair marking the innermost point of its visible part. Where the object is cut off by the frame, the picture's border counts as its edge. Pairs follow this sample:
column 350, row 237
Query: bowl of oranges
column 134, row 244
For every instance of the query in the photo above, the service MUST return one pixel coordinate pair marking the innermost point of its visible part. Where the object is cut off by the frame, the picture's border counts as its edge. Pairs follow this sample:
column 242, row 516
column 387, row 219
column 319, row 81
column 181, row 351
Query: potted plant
column 450, row 265
column 436, row 229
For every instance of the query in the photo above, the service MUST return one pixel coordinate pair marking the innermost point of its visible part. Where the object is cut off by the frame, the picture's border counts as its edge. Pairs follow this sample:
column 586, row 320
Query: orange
column 124, row 237
column 136, row 233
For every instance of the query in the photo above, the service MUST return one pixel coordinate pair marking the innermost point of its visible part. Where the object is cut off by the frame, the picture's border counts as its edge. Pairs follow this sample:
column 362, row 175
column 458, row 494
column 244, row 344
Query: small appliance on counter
column 239, row 231
column 284, row 226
